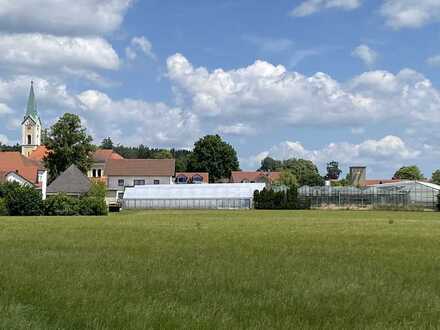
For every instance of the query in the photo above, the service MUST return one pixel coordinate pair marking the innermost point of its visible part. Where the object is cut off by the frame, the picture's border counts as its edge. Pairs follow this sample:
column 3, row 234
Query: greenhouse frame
column 398, row 195
column 192, row 196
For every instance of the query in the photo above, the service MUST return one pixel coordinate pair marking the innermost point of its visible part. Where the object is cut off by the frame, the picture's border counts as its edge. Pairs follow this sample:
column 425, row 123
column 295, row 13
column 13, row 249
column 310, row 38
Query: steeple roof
column 31, row 110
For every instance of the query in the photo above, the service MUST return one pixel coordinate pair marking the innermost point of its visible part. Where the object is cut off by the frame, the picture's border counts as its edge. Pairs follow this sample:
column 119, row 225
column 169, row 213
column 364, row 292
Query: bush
column 280, row 200
column 92, row 206
column 3, row 209
column 22, row 200
column 61, row 205
column 98, row 190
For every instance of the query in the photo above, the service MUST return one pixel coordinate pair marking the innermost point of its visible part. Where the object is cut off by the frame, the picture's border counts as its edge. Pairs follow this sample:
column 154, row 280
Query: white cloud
column 135, row 121
column 410, row 13
column 310, row 7
column 4, row 109
column 434, row 61
column 4, row 139
column 47, row 51
column 260, row 91
column 237, row 129
column 366, row 55
column 79, row 17
column 142, row 45
column 385, row 154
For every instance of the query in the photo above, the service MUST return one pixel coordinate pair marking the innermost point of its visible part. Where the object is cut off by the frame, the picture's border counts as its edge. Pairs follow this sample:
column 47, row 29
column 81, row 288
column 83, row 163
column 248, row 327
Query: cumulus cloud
column 237, row 129
column 48, row 51
column 310, row 7
column 139, row 45
column 366, row 55
column 381, row 155
column 410, row 13
column 135, row 121
column 128, row 121
column 260, row 91
column 63, row 17
column 4, row 139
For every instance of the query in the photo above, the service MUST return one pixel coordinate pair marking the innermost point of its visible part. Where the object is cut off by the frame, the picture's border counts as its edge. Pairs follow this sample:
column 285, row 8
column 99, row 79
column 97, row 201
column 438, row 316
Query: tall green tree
column 107, row 143
column 68, row 143
column 270, row 164
column 409, row 173
column 333, row 171
column 212, row 154
column 306, row 172
column 436, row 177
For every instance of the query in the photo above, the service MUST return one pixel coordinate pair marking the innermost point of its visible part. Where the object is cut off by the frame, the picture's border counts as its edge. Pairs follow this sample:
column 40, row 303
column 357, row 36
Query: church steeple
column 31, row 109
column 31, row 126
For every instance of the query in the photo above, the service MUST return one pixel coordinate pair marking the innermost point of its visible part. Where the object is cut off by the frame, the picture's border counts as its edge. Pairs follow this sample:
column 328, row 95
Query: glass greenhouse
column 405, row 194
column 205, row 196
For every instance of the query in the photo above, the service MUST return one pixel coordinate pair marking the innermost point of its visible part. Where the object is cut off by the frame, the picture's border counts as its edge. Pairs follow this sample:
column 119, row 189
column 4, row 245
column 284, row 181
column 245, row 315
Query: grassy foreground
column 220, row 269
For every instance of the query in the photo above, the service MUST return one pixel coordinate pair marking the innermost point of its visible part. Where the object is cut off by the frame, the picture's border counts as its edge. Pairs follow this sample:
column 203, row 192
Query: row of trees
column 288, row 199
column 23, row 200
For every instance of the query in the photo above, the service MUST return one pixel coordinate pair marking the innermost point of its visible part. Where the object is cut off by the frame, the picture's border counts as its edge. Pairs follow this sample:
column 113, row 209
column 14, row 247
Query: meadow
column 221, row 270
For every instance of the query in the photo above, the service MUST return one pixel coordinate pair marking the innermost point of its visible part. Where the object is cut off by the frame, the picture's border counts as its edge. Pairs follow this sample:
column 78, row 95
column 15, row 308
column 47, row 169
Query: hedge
column 269, row 199
column 17, row 200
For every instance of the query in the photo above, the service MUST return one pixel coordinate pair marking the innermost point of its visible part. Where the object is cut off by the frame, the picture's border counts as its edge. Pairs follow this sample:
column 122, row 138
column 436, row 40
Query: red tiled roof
column 190, row 175
column 103, row 155
column 16, row 162
column 238, row 176
column 39, row 153
column 140, row 167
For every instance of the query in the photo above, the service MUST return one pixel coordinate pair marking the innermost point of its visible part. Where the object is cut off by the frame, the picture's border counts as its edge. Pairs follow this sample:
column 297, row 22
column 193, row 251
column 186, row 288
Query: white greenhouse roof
column 408, row 183
column 194, row 191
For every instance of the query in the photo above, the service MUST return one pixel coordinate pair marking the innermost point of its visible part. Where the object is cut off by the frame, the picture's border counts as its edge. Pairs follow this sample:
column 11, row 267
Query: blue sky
column 352, row 80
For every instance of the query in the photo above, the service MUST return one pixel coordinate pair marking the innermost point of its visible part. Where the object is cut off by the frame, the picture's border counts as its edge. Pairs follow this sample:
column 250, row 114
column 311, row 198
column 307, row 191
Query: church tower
column 31, row 126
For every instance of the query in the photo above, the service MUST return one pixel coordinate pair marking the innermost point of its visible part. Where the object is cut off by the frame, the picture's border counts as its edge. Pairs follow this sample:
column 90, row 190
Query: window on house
column 182, row 179
column 94, row 173
column 121, row 195
column 121, row 183
column 29, row 139
column 99, row 173
column 139, row 182
column 156, row 181
column 197, row 179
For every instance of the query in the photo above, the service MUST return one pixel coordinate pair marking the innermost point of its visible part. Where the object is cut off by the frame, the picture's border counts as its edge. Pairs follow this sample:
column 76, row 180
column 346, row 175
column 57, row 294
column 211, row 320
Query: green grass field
column 221, row 269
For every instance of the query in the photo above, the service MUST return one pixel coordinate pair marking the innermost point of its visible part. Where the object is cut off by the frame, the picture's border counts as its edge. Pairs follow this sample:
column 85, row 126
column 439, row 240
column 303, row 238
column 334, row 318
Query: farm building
column 202, row 196
column 404, row 194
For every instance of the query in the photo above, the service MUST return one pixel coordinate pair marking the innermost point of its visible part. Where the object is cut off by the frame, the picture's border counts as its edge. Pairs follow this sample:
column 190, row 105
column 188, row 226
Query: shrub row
column 16, row 200
column 269, row 199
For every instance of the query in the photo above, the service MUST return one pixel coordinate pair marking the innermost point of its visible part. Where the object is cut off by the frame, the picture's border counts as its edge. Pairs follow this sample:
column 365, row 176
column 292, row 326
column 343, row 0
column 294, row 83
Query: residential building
column 254, row 177
column 71, row 182
column 16, row 167
column 100, row 159
column 122, row 173
column 192, row 177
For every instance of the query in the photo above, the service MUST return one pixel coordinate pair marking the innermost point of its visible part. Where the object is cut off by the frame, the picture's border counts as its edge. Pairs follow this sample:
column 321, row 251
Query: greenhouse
column 399, row 195
column 207, row 196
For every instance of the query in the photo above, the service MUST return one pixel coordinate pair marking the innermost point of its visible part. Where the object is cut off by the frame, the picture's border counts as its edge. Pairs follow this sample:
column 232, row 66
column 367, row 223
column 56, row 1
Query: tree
column 288, row 179
column 68, row 143
column 306, row 172
column 409, row 173
column 107, row 143
column 436, row 177
column 163, row 154
column 211, row 154
column 333, row 171
column 270, row 164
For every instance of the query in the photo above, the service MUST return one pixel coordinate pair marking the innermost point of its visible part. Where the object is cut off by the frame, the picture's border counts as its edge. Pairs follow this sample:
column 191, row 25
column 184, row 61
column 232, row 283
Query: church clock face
column 29, row 125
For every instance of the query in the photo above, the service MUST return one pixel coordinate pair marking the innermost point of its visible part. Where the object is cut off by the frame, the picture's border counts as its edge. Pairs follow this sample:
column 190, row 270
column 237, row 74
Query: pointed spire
column 31, row 110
